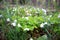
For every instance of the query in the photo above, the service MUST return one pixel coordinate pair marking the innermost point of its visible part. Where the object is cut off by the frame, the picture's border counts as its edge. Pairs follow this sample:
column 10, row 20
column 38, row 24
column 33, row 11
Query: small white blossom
column 31, row 38
column 59, row 16
column 20, row 7
column 50, row 16
column 27, row 11
column 36, row 12
column 13, row 24
column 1, row 16
column 38, row 9
column 28, row 14
column 26, row 29
column 44, row 11
column 23, row 17
column 42, row 25
column 54, row 0
column 26, row 18
column 26, row 8
column 19, row 25
column 30, row 9
column 8, row 19
column 45, row 23
column 14, row 9
column 15, row 20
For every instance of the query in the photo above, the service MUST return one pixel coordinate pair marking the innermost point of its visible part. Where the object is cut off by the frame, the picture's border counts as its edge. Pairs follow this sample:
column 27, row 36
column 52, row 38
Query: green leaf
column 44, row 37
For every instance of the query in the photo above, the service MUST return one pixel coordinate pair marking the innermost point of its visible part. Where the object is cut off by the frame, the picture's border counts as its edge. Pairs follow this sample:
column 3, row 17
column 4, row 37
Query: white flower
column 14, row 9
column 1, row 16
column 13, row 24
column 26, row 8
column 31, row 39
column 23, row 17
column 42, row 25
column 26, row 11
column 26, row 18
column 20, row 7
column 50, row 16
column 38, row 9
column 19, row 25
column 30, row 9
column 36, row 12
column 45, row 23
column 28, row 14
column 26, row 29
column 59, row 16
column 54, row 0
column 44, row 11
column 8, row 19
column 15, row 20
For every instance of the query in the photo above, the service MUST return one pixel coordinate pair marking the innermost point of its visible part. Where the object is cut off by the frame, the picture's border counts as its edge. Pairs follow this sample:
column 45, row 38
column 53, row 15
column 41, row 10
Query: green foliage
column 18, row 20
column 44, row 37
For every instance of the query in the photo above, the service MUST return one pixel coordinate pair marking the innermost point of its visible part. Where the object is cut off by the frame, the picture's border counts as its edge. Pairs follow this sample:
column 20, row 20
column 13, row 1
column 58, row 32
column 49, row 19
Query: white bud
column 26, row 29
column 15, row 20
column 14, row 9
column 26, row 18
column 31, row 39
column 45, row 23
column 50, row 16
column 44, row 11
column 23, row 17
column 8, row 19
column 27, row 11
column 30, row 9
column 36, row 12
column 13, row 24
column 28, row 14
column 42, row 25
column 19, row 25
column 1, row 16
column 59, row 16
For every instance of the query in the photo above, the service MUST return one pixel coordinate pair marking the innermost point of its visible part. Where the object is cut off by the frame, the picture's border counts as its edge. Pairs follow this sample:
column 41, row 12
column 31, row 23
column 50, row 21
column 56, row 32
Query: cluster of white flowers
column 44, row 11
column 1, row 16
column 42, row 25
column 26, row 29
column 59, row 16
column 31, row 39
column 8, row 19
